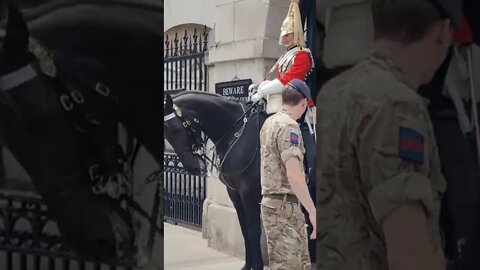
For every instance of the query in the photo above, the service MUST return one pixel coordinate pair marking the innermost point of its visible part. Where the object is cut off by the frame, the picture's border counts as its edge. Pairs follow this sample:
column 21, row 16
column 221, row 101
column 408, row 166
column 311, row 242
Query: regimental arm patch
column 411, row 145
column 294, row 138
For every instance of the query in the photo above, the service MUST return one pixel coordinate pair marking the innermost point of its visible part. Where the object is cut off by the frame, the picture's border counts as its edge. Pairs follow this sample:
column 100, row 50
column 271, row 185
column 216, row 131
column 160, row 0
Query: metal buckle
column 199, row 151
column 66, row 102
column 102, row 89
column 77, row 97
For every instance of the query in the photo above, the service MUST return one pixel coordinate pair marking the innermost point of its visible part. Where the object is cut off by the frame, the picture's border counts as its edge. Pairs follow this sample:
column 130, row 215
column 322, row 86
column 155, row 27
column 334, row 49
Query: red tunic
column 302, row 64
column 463, row 34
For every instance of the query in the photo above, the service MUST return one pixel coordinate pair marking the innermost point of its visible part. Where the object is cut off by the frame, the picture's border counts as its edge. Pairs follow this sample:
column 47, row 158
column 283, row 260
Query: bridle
column 192, row 128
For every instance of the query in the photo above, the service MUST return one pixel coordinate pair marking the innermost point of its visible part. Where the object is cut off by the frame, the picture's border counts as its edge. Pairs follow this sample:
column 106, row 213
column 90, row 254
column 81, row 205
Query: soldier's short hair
column 291, row 96
column 405, row 21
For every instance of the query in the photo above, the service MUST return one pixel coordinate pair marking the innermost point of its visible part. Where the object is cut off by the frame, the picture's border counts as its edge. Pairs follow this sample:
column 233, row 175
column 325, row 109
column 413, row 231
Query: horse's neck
column 217, row 118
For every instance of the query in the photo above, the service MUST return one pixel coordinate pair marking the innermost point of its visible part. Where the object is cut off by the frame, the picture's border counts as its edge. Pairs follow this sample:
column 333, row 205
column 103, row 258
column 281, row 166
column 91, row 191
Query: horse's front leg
column 242, row 218
column 250, row 201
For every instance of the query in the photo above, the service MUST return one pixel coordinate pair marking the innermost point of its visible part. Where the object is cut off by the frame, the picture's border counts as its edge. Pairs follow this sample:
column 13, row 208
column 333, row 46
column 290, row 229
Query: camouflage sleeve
column 393, row 148
column 289, row 142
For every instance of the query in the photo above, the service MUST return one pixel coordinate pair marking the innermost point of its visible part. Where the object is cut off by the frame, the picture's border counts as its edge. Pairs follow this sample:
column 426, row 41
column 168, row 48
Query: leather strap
column 283, row 197
column 17, row 77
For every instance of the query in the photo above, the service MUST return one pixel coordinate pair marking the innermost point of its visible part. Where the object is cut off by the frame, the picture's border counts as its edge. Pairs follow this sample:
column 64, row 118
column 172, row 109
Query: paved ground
column 184, row 249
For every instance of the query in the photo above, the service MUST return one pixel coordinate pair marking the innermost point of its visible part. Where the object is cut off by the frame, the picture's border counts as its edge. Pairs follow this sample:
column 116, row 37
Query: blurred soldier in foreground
column 379, row 180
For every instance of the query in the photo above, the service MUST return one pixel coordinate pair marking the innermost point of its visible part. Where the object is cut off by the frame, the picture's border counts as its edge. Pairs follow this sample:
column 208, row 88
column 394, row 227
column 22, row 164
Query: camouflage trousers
column 286, row 234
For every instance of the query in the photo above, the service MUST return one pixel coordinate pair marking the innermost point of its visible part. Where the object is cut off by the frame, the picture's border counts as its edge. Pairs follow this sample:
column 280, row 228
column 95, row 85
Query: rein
column 18, row 77
column 236, row 122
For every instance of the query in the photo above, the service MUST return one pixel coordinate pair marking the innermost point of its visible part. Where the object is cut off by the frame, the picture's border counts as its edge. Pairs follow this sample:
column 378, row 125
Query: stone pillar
column 243, row 43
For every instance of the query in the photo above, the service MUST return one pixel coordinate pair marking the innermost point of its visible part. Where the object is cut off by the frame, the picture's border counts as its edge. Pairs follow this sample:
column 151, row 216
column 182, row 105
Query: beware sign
column 237, row 89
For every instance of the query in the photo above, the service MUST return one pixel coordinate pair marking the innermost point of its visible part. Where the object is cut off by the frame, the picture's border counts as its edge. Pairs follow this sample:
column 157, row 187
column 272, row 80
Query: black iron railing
column 184, row 62
column 30, row 240
column 184, row 193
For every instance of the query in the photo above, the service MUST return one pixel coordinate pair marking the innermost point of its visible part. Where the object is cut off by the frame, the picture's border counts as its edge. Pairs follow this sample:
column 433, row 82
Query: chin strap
column 310, row 120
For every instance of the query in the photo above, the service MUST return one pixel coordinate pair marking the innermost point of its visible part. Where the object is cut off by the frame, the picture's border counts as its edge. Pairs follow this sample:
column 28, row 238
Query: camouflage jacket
column 280, row 140
column 376, row 150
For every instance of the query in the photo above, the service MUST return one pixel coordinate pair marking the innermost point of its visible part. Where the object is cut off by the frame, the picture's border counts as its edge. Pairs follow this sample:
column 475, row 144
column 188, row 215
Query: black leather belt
column 283, row 197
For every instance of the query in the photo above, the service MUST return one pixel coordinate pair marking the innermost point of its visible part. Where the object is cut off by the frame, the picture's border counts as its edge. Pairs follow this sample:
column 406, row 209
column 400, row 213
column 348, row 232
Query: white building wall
column 178, row 12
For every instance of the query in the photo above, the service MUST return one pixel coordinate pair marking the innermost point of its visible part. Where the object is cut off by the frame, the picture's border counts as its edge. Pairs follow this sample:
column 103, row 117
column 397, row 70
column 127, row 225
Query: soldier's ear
column 168, row 104
column 443, row 32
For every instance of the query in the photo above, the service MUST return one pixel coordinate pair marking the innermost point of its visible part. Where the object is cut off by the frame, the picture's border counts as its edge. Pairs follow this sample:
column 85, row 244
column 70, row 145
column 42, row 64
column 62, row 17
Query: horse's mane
column 46, row 8
column 182, row 92
column 175, row 92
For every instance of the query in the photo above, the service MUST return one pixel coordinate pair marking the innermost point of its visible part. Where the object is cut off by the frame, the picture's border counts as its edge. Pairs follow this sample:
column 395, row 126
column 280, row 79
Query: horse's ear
column 168, row 104
column 17, row 34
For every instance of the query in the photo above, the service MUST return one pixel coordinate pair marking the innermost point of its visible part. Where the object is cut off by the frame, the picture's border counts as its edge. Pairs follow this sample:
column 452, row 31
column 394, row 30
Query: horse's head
column 181, row 139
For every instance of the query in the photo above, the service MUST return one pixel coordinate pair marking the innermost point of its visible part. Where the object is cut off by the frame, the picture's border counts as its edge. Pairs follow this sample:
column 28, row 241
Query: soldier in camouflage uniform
column 283, row 183
column 379, row 181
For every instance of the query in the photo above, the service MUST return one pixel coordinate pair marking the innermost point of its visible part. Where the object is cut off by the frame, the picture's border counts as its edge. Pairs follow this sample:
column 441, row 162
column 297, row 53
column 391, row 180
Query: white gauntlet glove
column 267, row 88
column 257, row 97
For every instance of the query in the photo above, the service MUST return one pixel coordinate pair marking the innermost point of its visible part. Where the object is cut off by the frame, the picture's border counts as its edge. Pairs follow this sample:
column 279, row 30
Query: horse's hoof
column 142, row 260
column 246, row 267
column 257, row 267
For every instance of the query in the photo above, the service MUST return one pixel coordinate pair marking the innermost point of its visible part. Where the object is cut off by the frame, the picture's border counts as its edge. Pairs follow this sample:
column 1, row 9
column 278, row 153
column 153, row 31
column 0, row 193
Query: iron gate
column 184, row 62
column 184, row 67
column 184, row 193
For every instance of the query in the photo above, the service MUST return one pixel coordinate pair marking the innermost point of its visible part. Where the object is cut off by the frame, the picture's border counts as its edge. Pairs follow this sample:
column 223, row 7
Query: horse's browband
column 168, row 117
column 17, row 77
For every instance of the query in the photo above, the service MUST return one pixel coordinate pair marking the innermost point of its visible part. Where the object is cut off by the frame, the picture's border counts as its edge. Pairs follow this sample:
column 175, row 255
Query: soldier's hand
column 257, row 97
column 313, row 220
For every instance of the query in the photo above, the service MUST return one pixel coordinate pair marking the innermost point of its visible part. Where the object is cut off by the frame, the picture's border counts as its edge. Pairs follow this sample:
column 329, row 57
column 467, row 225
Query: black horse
column 238, row 147
column 59, row 115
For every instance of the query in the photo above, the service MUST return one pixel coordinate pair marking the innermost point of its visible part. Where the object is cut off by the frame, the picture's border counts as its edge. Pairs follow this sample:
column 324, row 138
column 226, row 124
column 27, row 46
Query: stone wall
column 244, row 44
column 178, row 12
